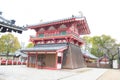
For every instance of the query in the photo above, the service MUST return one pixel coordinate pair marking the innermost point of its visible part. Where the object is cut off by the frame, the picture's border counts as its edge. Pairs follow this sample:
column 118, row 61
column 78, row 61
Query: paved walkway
column 24, row 73
column 111, row 74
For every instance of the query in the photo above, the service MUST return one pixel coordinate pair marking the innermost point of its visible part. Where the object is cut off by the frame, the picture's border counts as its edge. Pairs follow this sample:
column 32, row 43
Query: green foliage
column 8, row 44
column 30, row 45
column 87, row 40
column 102, row 45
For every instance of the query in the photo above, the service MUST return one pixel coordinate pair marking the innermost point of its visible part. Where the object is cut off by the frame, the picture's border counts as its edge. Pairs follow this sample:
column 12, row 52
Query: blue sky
column 103, row 16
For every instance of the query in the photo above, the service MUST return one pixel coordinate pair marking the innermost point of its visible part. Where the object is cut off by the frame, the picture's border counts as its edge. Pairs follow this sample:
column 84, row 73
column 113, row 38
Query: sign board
column 115, row 64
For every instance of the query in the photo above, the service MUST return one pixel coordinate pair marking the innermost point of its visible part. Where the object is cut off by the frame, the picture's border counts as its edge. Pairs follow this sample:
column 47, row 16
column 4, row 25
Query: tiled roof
column 86, row 53
column 69, row 19
column 8, row 26
column 60, row 20
column 18, row 53
column 45, row 47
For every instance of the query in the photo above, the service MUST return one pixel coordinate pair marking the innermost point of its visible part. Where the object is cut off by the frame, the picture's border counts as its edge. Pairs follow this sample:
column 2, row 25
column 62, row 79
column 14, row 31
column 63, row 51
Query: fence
column 100, row 65
column 11, row 62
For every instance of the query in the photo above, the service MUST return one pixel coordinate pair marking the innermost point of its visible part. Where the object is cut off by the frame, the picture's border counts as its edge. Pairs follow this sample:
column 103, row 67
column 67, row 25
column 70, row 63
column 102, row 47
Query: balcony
column 56, row 36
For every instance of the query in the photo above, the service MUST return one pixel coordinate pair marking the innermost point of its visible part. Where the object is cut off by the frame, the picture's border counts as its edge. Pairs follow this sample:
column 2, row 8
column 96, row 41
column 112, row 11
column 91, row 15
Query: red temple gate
column 57, row 44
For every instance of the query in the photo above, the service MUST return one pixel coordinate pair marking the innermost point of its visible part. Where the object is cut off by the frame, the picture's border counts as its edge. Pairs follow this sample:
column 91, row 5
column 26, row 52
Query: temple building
column 9, row 26
column 57, row 44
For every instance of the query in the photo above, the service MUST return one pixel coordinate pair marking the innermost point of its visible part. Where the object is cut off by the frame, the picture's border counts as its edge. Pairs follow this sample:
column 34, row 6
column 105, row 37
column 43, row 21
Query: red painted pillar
column 28, row 60
column 36, row 62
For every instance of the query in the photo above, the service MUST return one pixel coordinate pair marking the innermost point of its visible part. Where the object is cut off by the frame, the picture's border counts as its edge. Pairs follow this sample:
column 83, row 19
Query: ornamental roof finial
column 81, row 14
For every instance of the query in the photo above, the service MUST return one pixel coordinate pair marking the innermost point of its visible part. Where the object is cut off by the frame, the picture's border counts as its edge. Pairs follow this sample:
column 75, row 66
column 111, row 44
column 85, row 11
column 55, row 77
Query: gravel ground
column 24, row 73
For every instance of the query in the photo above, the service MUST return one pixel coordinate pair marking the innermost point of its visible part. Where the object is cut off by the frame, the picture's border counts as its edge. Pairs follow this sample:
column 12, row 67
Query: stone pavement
column 24, row 73
column 111, row 74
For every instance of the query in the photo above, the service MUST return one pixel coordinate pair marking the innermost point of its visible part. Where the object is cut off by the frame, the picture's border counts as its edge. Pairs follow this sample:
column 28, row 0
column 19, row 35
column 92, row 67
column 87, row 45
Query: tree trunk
column 7, row 54
column 110, row 62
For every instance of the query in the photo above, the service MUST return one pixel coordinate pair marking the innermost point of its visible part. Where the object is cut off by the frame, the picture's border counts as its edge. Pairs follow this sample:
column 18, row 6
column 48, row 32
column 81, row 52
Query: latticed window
column 59, row 59
column 63, row 32
column 41, row 35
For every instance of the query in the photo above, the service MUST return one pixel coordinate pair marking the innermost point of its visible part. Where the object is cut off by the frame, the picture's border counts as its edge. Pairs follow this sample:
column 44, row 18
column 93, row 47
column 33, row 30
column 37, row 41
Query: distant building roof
column 88, row 54
column 19, row 53
column 105, row 56
column 9, row 26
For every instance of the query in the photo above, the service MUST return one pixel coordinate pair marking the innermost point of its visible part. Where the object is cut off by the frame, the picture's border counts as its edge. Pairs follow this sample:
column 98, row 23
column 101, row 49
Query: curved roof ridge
column 58, row 20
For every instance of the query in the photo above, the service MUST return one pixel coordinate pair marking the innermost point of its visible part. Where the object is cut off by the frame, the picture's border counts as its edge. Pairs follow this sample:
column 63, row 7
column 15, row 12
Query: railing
column 72, row 34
